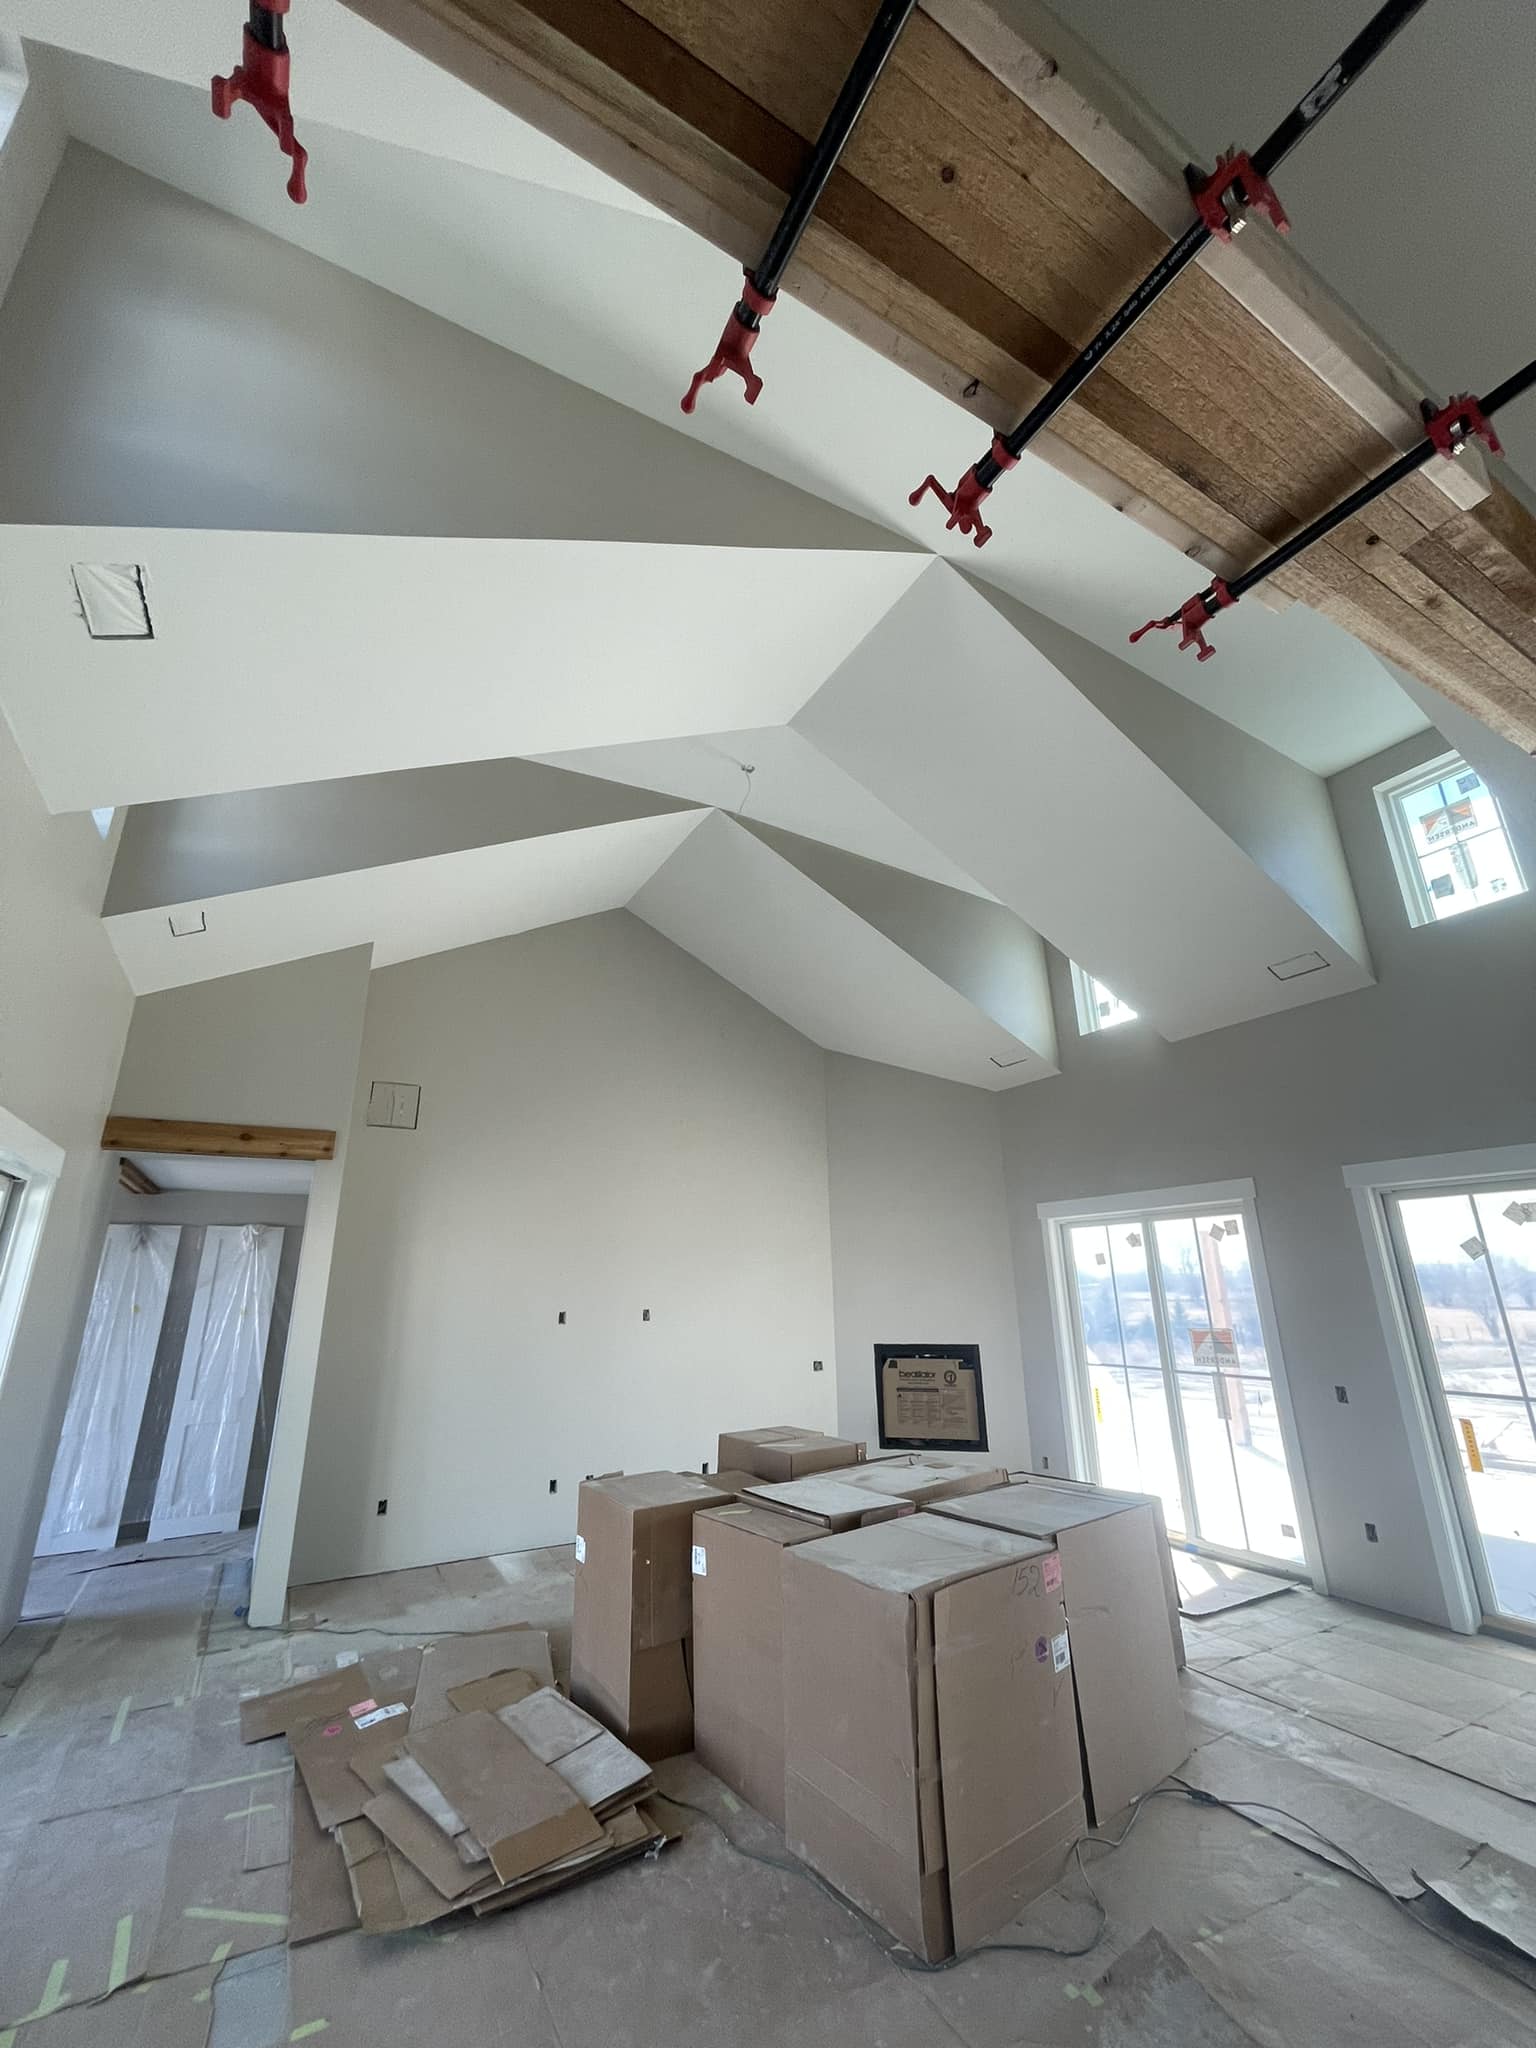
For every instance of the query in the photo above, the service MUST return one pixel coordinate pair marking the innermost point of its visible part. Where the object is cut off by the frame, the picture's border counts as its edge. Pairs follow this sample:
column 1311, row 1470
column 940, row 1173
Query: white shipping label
column 581, row 1549
column 700, row 1562
column 381, row 1714
column 1061, row 1652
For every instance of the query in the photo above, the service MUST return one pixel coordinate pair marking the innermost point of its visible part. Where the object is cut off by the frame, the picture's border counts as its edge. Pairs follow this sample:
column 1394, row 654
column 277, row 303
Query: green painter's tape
column 239, row 1919
column 309, row 2027
column 122, row 1942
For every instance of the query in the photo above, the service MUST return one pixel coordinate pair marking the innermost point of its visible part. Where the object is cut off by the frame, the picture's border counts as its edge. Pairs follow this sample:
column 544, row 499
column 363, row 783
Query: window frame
column 1417, row 901
column 1088, row 1018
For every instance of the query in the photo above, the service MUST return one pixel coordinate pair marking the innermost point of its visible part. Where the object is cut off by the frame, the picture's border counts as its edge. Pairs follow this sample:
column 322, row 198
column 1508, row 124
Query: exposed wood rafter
column 984, row 219
column 215, row 1141
column 131, row 1175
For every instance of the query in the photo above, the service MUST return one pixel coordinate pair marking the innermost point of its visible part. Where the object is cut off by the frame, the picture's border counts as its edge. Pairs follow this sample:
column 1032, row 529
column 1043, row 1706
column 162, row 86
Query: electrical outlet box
column 382, row 1508
column 394, row 1105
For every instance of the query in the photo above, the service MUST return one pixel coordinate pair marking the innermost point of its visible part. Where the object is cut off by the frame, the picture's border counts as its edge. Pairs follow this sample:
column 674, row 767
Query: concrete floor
column 117, row 1748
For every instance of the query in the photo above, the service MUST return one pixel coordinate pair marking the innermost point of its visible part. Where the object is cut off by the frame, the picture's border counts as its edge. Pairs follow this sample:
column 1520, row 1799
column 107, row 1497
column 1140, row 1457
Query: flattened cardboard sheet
column 386, row 1677
column 521, row 1810
column 320, row 1899
column 459, row 1660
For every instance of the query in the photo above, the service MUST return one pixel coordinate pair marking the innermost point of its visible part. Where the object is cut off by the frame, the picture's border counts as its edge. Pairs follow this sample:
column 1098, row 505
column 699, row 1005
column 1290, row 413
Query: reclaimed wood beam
column 215, row 1141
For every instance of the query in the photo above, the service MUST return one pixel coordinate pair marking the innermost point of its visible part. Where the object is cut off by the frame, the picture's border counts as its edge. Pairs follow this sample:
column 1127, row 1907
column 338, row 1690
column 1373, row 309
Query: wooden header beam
column 215, row 1141
column 968, row 238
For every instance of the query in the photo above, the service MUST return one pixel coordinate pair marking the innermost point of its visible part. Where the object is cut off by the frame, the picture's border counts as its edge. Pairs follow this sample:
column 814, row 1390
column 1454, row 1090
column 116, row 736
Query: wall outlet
column 382, row 1508
column 553, row 1485
column 1341, row 1394
column 561, row 1317
column 816, row 1365
column 1370, row 1533
column 645, row 1315
column 1045, row 1464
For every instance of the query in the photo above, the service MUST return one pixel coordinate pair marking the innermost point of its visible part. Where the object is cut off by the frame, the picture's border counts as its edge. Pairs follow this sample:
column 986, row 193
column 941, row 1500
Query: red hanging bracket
column 1458, row 423
column 734, row 351
column 1235, row 177
column 964, row 502
column 261, row 80
column 1192, row 617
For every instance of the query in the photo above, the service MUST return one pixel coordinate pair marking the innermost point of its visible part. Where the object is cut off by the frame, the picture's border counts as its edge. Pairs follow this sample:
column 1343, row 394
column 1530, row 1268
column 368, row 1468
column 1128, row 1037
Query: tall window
column 1449, row 842
column 1098, row 1007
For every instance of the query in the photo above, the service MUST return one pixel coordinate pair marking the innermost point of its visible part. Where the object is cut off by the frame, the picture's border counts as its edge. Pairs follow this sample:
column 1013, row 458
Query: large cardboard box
column 931, row 1750
column 784, row 1452
column 1165, row 1550
column 738, row 1648
column 1128, row 1699
column 634, row 1606
column 921, row 1476
column 829, row 1501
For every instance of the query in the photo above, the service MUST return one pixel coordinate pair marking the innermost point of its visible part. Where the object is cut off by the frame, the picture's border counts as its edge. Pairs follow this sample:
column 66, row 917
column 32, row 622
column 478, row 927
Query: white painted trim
column 1094, row 1208
column 1453, row 1566
column 1492, row 1163
column 1082, row 1445
column 37, row 1162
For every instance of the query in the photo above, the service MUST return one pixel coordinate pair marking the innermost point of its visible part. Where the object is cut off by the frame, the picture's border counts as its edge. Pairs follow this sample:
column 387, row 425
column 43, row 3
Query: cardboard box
column 931, row 1750
column 829, row 1501
column 785, row 1453
column 920, row 1476
column 1128, row 1700
column 731, row 1484
column 1165, row 1551
column 634, row 1606
column 738, row 1648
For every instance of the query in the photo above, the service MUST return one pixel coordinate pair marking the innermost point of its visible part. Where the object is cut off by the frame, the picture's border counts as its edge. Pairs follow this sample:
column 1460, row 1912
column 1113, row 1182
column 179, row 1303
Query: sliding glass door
column 1174, row 1362
column 1467, row 1257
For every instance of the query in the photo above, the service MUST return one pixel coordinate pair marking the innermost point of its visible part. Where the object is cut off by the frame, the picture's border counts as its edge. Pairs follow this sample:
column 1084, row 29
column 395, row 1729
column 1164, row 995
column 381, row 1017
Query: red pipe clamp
column 964, row 502
column 1236, row 177
column 261, row 80
column 1192, row 617
column 736, row 344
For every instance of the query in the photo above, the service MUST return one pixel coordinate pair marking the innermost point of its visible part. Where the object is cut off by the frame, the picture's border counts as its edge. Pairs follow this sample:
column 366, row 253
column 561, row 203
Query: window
column 1448, row 838
column 1098, row 1008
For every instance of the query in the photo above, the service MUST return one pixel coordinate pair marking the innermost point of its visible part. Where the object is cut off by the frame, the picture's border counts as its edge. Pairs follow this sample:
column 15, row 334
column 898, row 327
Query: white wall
column 606, row 1127
column 277, row 1046
column 64, row 1009
column 920, row 1243
column 1435, row 1058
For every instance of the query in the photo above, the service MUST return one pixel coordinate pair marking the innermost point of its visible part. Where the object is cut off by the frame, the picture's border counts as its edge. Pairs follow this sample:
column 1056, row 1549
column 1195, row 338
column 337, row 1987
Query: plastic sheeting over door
column 208, row 1445
column 106, row 1404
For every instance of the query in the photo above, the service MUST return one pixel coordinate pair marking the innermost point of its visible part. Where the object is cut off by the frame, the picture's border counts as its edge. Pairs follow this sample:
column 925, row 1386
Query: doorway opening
column 169, row 1424
column 1466, row 1264
column 1172, row 1371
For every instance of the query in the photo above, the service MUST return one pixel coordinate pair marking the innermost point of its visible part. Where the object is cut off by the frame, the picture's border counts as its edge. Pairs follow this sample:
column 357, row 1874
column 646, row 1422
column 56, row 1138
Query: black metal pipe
column 267, row 27
column 839, row 125
column 1502, row 394
column 1307, row 112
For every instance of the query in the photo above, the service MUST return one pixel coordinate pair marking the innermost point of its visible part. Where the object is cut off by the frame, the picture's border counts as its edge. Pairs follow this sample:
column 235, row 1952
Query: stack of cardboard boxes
column 927, row 1676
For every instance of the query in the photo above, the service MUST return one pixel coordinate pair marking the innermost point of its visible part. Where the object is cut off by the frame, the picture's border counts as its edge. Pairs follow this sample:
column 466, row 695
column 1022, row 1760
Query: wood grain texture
column 215, row 1141
column 965, row 235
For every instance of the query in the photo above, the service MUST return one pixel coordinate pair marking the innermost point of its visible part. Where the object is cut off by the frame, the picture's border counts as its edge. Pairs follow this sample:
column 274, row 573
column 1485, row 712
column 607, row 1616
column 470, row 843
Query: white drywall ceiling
column 344, row 71
column 493, row 253
column 406, row 910
column 291, row 657
column 1020, row 779
column 176, row 1171
column 790, row 785
column 733, row 903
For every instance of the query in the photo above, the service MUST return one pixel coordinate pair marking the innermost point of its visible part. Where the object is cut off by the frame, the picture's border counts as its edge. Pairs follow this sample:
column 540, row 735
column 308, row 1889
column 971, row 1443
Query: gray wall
column 185, row 369
column 1436, row 1058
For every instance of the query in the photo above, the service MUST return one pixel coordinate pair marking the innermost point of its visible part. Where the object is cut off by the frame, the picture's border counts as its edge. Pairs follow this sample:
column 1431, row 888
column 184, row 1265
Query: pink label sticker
column 362, row 1707
column 334, row 1729
column 1052, row 1573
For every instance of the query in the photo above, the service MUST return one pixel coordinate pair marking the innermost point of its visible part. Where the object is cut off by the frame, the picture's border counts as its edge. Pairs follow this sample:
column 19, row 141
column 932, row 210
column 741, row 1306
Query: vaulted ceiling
column 459, row 628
